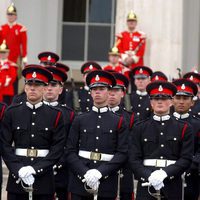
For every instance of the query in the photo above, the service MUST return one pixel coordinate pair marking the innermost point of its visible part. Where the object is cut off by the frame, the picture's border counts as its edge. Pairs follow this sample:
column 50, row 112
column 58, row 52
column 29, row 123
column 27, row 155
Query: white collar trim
column 36, row 106
column 99, row 110
column 161, row 118
column 141, row 93
column 179, row 116
column 54, row 103
column 114, row 109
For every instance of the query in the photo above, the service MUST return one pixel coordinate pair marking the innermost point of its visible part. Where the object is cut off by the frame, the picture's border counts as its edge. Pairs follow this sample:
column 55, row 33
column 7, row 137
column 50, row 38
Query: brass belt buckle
column 95, row 156
column 32, row 152
column 161, row 163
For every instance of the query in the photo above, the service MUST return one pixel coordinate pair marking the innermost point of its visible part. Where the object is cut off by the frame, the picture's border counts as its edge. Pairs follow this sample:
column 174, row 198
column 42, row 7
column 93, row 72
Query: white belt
column 158, row 162
column 31, row 152
column 95, row 155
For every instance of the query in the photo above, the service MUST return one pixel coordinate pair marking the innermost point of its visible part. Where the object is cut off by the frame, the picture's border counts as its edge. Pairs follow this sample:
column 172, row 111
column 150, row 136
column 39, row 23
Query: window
column 87, row 29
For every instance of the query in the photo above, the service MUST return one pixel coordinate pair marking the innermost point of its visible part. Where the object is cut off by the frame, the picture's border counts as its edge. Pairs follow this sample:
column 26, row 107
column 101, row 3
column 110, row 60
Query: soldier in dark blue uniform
column 66, row 96
column 32, row 140
column 97, row 144
column 182, row 102
column 46, row 59
column 140, row 101
column 80, row 100
column 51, row 96
column 116, row 94
column 2, row 110
column 195, row 77
column 158, row 76
column 161, row 148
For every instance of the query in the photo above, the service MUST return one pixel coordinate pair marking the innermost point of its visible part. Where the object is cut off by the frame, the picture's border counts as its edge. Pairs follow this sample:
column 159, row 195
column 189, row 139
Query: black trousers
column 192, row 189
column 11, row 196
column 78, row 197
column 126, row 196
column 61, row 194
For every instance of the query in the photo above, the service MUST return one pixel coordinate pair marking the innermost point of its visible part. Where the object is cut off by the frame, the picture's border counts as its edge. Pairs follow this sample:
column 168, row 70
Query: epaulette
column 129, row 112
column 53, row 107
column 195, row 117
column 119, row 35
column 143, row 34
column 14, row 105
column 141, row 122
column 23, row 29
column 116, row 114
column 68, row 108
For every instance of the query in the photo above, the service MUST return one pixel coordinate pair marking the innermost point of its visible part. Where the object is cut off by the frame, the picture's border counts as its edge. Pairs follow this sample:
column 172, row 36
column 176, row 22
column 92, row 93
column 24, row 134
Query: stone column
column 191, row 35
column 162, row 22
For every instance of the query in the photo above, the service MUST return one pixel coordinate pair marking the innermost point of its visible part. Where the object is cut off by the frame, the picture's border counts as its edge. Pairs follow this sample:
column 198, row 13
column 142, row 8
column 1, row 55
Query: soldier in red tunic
column 115, row 64
column 15, row 35
column 8, row 74
column 131, row 43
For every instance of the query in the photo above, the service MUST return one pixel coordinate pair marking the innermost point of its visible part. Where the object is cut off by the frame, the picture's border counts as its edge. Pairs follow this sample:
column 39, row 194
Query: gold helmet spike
column 12, row 9
column 114, row 51
column 131, row 16
column 4, row 47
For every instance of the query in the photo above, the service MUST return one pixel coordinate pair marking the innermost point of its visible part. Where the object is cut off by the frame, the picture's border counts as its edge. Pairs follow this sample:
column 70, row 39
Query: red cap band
column 48, row 59
column 37, row 76
column 164, row 91
column 101, row 80
column 185, row 89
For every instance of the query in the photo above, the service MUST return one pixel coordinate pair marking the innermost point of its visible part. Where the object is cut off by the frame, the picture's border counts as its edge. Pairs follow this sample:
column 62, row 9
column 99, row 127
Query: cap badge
column 34, row 75
column 49, row 58
column 191, row 78
column 141, row 70
column 90, row 67
column 160, row 89
column 157, row 78
column 97, row 78
column 183, row 86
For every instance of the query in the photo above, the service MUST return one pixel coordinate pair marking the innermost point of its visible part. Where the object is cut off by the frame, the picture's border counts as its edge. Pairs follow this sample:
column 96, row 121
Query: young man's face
column 113, row 59
column 131, row 24
column 100, row 96
column 182, row 104
column 34, row 92
column 4, row 55
column 52, row 92
column 141, row 83
column 115, row 96
column 11, row 18
column 161, row 106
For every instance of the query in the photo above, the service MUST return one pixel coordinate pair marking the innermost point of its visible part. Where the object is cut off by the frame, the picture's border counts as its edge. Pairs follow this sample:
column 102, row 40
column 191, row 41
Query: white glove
column 29, row 180
column 135, row 58
column 158, row 187
column 157, row 177
column 92, row 177
column 7, row 82
column 24, row 59
column 24, row 172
